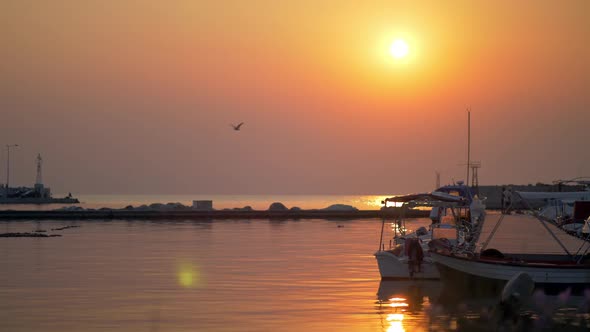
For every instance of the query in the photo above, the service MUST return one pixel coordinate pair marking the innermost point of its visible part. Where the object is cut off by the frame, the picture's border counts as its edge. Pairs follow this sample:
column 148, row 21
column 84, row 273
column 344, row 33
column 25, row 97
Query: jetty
column 204, row 215
column 38, row 201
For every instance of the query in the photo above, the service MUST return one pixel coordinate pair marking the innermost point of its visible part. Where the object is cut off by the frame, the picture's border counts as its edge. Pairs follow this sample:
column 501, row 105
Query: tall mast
column 468, row 144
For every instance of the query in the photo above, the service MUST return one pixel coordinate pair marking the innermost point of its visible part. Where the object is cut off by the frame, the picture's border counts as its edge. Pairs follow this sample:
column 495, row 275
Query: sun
column 399, row 49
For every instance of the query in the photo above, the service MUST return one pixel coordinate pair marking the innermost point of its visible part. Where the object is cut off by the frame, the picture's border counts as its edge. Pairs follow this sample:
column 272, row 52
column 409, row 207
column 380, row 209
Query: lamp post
column 8, row 146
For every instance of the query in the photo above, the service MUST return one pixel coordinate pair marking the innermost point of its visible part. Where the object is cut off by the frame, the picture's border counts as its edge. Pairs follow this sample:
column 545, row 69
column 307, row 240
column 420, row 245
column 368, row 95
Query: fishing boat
column 532, row 245
column 570, row 211
column 407, row 254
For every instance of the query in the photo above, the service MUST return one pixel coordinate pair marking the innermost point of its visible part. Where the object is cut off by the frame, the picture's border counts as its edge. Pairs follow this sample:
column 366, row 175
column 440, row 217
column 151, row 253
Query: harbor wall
column 35, row 200
column 207, row 215
column 493, row 193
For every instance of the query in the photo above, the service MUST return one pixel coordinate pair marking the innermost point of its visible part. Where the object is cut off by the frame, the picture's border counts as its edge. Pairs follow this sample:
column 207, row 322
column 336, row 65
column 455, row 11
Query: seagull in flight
column 237, row 127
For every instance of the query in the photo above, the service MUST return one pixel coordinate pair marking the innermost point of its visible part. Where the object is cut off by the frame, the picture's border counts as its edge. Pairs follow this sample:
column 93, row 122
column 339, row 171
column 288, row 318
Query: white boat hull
column 393, row 267
column 541, row 274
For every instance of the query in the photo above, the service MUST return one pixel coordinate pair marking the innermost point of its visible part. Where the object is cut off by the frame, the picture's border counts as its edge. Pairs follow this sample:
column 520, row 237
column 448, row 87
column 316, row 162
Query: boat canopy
column 433, row 196
column 459, row 189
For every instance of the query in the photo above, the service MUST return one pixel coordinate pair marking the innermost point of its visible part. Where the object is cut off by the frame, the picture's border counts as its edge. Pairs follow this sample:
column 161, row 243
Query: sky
column 132, row 97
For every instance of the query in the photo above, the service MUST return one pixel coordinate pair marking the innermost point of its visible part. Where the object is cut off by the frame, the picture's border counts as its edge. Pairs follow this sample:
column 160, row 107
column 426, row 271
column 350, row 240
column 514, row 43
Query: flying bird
column 237, row 127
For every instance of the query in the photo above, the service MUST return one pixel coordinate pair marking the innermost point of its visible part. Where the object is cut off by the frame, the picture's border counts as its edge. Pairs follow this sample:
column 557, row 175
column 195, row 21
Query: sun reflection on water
column 396, row 319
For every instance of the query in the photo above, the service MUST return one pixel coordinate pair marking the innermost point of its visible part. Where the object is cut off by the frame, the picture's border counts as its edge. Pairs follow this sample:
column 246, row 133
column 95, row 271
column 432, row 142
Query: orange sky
column 137, row 96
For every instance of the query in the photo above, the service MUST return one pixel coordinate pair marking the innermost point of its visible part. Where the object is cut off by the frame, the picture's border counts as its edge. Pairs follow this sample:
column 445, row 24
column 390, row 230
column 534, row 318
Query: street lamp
column 8, row 146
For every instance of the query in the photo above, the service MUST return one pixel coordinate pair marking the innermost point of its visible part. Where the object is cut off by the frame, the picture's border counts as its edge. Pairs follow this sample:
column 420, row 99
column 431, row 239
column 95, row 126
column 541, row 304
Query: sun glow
column 399, row 49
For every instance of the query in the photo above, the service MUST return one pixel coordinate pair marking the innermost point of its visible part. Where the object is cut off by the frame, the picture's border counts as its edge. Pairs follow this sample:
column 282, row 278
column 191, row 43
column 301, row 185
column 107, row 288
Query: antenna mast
column 437, row 180
column 468, row 144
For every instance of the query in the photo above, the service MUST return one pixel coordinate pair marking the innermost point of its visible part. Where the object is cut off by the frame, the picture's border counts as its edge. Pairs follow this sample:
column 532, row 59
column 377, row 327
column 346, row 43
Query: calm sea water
column 258, row 275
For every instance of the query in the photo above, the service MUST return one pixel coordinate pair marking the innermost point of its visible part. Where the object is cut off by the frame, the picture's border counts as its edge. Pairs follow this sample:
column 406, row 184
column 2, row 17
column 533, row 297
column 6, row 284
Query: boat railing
column 455, row 205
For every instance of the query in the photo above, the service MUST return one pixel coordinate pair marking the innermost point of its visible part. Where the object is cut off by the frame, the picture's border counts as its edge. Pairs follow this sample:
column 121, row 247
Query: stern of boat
column 392, row 267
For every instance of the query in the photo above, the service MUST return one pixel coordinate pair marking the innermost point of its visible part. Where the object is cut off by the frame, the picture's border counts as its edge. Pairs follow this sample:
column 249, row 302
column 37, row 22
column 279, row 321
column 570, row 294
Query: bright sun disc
column 399, row 48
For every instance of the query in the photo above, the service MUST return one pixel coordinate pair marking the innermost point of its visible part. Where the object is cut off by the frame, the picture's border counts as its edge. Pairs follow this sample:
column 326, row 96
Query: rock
column 65, row 227
column 295, row 209
column 156, row 206
column 128, row 207
column 340, row 207
column 277, row 206
column 70, row 208
column 245, row 208
column 175, row 206
column 28, row 235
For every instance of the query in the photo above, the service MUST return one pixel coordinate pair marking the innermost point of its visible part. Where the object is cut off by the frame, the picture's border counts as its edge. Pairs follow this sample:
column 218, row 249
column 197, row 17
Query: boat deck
column 525, row 235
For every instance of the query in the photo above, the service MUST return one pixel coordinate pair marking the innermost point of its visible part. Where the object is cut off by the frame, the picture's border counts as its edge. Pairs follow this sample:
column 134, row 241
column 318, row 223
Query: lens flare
column 188, row 276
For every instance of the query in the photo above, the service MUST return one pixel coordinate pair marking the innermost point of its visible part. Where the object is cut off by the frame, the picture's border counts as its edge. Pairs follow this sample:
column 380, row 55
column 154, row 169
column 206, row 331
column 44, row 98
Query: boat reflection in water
column 432, row 305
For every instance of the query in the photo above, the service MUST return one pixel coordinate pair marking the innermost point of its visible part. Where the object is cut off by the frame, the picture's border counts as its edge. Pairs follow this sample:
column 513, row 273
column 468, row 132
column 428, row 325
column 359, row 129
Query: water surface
column 258, row 275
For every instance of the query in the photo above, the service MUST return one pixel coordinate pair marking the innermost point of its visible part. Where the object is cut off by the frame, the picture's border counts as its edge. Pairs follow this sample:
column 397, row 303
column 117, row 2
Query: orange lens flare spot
column 188, row 276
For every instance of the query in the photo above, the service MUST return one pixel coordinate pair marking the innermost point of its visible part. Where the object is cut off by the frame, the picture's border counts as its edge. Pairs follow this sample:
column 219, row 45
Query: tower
column 39, row 180
column 40, row 189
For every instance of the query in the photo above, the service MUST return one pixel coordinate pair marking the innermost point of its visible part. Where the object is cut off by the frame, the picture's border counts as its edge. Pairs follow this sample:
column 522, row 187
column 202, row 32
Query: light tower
column 39, row 187
column 39, row 180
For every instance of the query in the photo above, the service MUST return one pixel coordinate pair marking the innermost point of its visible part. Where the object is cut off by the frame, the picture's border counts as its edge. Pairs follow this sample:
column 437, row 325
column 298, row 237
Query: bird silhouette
column 237, row 127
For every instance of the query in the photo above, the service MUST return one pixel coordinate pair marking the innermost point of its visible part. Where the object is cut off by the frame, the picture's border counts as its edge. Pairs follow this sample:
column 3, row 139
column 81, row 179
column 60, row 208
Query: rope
column 485, row 244
column 381, row 238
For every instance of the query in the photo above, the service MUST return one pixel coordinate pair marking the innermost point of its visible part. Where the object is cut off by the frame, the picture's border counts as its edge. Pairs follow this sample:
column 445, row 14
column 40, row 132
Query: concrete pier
column 214, row 214
column 38, row 201
column 493, row 194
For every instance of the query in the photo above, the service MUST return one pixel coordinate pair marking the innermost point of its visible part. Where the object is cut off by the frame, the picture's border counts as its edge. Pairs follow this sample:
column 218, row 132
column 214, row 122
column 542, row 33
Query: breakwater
column 38, row 201
column 204, row 215
column 493, row 194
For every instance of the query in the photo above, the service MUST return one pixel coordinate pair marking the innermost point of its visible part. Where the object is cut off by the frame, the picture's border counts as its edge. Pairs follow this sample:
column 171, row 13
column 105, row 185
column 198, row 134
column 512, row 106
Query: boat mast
column 468, row 145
